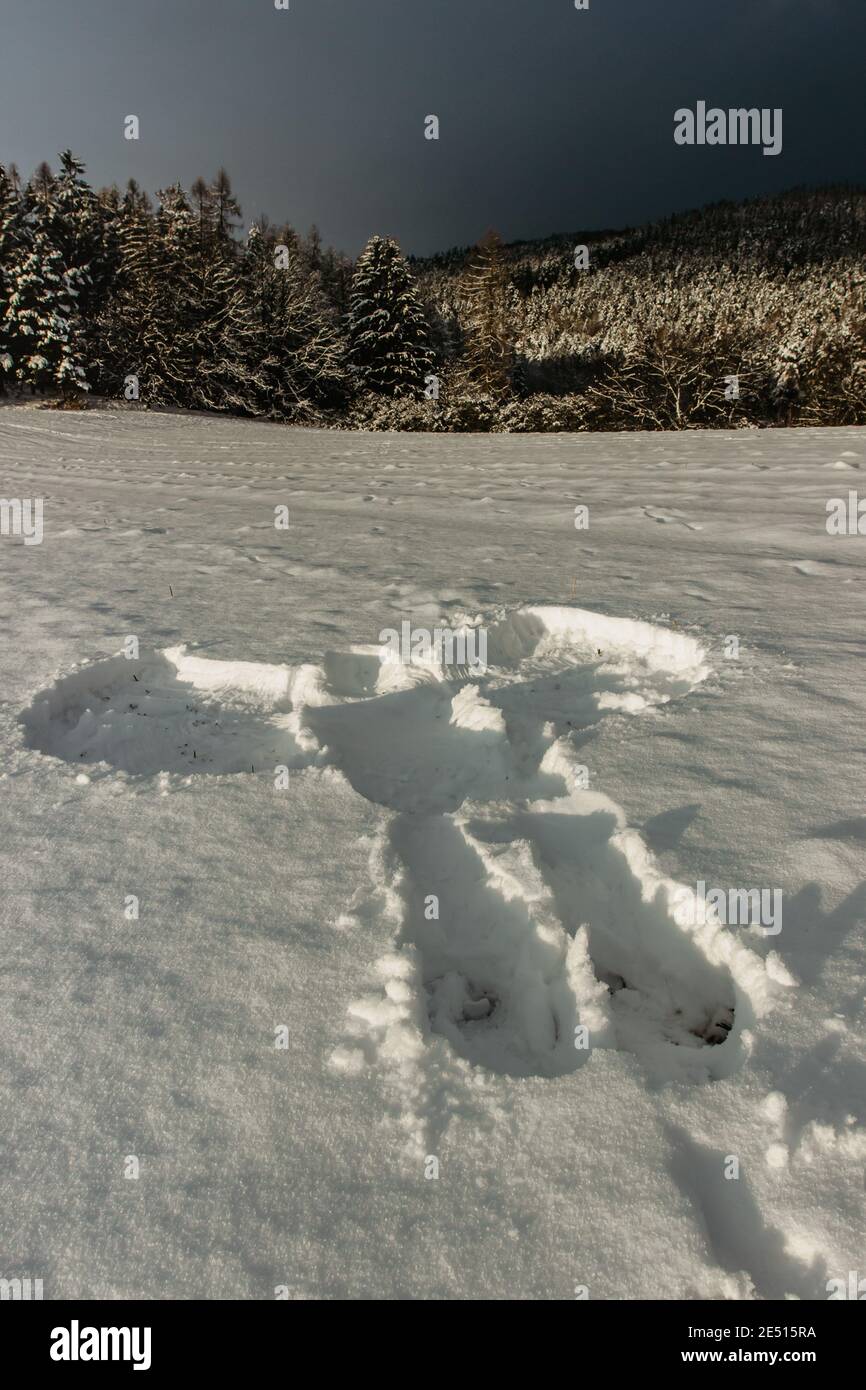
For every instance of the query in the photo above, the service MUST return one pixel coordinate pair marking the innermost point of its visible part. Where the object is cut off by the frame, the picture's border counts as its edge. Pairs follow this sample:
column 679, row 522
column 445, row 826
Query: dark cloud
column 552, row 119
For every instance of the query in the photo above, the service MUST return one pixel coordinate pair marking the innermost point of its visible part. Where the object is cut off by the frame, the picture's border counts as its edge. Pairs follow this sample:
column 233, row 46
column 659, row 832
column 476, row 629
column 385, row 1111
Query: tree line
column 734, row 315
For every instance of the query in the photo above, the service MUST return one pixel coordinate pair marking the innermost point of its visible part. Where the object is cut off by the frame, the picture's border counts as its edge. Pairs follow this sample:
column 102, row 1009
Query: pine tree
column 489, row 351
column 335, row 276
column 226, row 207
column 130, row 331
column 10, row 237
column 301, row 349
column 82, row 229
column 230, row 375
column 203, row 208
column 388, row 334
column 39, row 193
column 40, row 325
column 182, row 340
column 150, row 329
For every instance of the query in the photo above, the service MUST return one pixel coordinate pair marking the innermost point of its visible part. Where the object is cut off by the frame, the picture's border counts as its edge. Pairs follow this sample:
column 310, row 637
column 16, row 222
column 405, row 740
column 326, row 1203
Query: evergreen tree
column 302, row 354
column 182, row 343
column 201, row 202
column 489, row 352
column 41, row 328
column 231, row 375
column 335, row 275
column 39, row 193
column 388, row 335
column 131, row 331
column 84, row 232
column 10, row 237
column 150, row 328
column 226, row 207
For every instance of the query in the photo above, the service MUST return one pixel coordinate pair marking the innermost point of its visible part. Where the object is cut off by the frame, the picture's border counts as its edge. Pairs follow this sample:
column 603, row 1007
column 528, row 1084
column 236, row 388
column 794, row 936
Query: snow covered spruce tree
column 130, row 326
column 180, row 338
column 57, row 262
column 223, row 331
column 389, row 341
column 10, row 234
column 83, row 230
column 41, row 327
column 302, row 353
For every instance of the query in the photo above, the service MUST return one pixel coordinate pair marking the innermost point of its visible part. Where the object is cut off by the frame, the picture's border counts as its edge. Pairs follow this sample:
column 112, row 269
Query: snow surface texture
column 306, row 904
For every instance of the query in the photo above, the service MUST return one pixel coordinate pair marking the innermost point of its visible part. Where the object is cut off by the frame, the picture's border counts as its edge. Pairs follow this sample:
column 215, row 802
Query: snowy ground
column 300, row 902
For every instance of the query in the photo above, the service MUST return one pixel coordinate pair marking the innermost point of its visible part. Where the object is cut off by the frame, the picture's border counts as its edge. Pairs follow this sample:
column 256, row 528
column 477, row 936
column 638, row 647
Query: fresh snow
column 283, row 801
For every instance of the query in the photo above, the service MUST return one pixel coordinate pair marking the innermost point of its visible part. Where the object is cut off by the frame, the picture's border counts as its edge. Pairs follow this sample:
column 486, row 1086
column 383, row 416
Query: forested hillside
column 772, row 292
column 733, row 315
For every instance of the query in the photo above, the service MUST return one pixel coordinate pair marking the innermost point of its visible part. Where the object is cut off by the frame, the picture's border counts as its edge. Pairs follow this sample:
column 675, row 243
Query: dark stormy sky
column 552, row 119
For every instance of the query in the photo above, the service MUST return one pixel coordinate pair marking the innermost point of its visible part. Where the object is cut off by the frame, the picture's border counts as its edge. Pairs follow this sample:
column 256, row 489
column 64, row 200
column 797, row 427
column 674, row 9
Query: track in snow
column 550, row 915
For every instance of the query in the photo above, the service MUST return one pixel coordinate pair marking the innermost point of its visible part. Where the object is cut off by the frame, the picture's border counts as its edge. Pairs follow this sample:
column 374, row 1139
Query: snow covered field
column 287, row 1036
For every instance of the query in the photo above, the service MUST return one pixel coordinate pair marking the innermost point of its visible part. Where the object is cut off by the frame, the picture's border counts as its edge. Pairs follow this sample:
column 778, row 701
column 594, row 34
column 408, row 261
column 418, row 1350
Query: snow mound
column 673, row 662
column 172, row 712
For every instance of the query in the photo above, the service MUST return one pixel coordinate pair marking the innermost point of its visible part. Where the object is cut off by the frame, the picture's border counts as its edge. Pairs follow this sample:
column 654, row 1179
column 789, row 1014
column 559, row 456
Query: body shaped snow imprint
column 531, row 925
